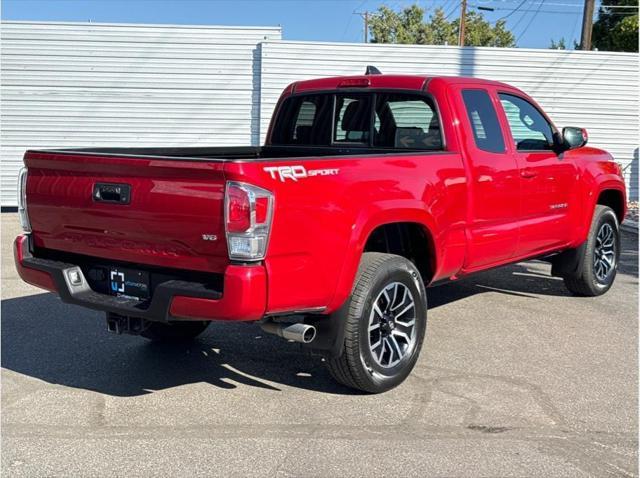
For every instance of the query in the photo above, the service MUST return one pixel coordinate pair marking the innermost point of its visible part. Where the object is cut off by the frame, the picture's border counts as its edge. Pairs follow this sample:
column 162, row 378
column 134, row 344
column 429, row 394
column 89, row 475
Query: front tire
column 174, row 332
column 601, row 255
column 385, row 325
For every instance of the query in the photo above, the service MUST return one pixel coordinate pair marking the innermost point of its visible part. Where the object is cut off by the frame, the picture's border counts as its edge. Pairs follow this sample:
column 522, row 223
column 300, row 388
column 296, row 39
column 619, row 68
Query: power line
column 573, row 32
column 513, row 11
column 530, row 21
column 453, row 10
column 555, row 4
column 447, row 4
column 522, row 17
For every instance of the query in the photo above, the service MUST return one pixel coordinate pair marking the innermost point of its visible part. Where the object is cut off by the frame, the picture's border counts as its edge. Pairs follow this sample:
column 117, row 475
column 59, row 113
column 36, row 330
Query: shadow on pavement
column 46, row 339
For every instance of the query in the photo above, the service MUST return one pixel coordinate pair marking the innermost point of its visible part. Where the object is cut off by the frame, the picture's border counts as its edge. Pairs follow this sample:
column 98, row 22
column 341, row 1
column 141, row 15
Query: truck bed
column 229, row 153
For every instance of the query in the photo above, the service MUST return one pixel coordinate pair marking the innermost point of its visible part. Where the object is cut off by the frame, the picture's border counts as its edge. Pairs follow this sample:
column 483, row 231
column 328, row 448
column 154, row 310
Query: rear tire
column 600, row 257
column 385, row 325
column 173, row 332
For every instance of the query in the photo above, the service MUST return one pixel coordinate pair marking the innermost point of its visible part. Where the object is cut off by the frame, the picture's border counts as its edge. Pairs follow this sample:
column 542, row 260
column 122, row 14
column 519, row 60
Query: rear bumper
column 243, row 296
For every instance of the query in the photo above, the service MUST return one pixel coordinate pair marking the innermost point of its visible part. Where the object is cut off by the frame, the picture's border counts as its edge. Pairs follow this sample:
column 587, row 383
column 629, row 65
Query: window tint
column 400, row 120
column 352, row 122
column 406, row 121
column 529, row 128
column 483, row 120
column 304, row 120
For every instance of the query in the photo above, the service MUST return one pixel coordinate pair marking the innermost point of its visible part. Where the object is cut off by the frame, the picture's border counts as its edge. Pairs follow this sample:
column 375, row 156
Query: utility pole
column 366, row 27
column 463, row 15
column 365, row 17
column 587, row 25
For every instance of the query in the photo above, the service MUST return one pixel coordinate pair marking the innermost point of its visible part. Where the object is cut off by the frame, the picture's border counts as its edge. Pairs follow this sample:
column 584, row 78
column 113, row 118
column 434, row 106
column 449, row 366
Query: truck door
column 492, row 173
column 547, row 180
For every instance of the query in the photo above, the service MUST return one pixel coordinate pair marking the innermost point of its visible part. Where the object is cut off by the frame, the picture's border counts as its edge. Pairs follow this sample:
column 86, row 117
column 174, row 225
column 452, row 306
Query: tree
column 616, row 28
column 559, row 45
column 408, row 26
column 562, row 44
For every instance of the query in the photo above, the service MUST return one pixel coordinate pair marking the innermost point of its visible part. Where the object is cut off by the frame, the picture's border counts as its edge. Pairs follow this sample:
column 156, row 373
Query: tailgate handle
column 112, row 193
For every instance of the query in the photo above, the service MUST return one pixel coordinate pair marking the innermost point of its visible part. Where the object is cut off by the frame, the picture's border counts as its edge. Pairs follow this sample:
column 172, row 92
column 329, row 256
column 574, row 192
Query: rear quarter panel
column 321, row 222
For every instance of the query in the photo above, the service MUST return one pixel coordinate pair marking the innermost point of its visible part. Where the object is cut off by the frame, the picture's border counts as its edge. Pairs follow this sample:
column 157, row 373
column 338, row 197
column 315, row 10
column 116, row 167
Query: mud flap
column 569, row 263
column 330, row 330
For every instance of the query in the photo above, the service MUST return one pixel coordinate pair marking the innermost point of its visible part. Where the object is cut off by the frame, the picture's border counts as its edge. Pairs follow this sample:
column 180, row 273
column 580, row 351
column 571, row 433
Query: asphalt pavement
column 516, row 378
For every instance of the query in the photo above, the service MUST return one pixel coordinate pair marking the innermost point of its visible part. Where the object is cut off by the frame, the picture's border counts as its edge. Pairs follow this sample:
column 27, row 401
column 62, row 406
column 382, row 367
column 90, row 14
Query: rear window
column 352, row 121
column 483, row 121
column 406, row 121
column 372, row 119
column 304, row 120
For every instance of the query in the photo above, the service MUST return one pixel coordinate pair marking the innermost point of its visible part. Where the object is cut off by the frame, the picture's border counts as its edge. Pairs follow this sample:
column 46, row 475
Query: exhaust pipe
column 301, row 333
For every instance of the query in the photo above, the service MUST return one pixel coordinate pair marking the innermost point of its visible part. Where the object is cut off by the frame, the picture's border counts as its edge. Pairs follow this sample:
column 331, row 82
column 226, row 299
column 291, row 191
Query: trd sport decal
column 297, row 172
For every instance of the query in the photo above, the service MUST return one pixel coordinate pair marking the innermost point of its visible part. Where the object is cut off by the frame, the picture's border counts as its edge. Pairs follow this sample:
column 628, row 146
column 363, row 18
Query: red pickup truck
column 368, row 189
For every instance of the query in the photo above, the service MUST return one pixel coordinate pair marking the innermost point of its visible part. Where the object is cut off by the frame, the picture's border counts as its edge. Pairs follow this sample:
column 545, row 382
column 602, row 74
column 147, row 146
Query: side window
column 483, row 121
column 529, row 128
column 352, row 122
column 406, row 121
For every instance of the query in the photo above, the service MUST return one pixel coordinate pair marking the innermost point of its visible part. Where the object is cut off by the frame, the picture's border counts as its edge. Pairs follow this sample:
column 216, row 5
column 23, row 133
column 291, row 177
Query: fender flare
column 368, row 220
column 605, row 182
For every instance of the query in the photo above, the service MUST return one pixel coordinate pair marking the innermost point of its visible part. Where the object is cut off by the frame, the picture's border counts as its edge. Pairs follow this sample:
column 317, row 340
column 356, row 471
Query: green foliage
column 616, row 29
column 558, row 45
column 409, row 27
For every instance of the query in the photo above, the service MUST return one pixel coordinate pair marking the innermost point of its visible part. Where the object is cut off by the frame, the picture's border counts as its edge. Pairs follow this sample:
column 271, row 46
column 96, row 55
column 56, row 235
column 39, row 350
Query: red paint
column 245, row 298
column 479, row 209
column 30, row 276
column 172, row 205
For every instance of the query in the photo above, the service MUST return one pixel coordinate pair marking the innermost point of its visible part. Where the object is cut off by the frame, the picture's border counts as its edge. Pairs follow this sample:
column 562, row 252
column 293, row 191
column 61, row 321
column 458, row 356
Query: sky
column 534, row 23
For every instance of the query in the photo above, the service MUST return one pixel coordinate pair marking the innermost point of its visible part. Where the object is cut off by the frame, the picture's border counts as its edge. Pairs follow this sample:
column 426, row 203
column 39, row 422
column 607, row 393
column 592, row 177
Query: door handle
column 527, row 173
column 112, row 193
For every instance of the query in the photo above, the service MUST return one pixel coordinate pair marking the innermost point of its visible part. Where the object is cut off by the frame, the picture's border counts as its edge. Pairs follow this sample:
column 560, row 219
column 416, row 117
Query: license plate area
column 129, row 283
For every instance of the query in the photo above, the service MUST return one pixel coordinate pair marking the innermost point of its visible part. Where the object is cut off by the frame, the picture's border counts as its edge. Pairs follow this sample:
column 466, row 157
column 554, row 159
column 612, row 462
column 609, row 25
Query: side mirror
column 573, row 138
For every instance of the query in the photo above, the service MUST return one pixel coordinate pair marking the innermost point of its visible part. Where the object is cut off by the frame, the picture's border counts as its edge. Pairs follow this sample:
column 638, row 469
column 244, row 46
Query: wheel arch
column 615, row 199
column 413, row 220
column 411, row 240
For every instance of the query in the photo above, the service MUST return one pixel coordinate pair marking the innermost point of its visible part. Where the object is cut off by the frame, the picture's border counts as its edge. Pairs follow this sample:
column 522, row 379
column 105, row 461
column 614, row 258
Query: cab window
column 401, row 121
column 483, row 121
column 530, row 129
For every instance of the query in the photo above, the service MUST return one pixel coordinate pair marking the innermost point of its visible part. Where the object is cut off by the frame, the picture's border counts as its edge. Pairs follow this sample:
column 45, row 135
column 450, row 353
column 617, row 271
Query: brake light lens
column 248, row 214
column 239, row 210
column 22, row 200
column 355, row 83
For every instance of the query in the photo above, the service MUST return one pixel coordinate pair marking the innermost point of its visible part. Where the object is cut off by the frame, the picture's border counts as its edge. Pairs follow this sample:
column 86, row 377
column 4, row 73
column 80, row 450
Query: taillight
column 248, row 210
column 22, row 201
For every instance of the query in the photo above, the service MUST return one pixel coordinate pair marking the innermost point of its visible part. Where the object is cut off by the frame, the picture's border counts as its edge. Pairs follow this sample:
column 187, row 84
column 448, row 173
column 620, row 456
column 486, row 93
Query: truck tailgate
column 172, row 217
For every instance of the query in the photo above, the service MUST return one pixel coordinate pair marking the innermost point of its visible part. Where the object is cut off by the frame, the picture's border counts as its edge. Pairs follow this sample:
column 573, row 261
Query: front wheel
column 600, row 259
column 385, row 325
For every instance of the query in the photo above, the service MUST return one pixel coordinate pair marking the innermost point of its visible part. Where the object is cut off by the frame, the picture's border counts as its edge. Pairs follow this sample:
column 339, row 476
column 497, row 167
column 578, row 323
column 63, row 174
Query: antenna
column 372, row 70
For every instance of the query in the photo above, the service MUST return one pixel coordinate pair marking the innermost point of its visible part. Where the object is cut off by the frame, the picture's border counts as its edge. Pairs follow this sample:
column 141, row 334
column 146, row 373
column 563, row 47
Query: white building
column 87, row 84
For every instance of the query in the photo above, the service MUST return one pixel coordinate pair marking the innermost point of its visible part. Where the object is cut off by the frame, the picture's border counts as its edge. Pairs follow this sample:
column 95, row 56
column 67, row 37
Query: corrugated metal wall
column 595, row 90
column 74, row 84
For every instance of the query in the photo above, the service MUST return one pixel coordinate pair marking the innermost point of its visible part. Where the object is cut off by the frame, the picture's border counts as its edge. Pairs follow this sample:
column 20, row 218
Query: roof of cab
column 410, row 82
